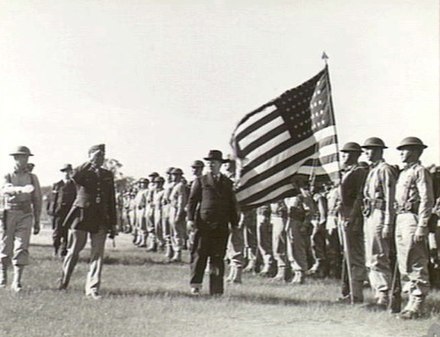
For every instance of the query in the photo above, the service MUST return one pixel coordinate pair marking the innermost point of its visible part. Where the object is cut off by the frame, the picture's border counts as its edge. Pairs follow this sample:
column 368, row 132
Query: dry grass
column 144, row 296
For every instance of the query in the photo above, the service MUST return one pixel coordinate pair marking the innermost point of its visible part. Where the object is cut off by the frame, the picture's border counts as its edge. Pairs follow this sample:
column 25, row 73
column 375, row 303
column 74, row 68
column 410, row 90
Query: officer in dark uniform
column 63, row 195
column 212, row 207
column 93, row 214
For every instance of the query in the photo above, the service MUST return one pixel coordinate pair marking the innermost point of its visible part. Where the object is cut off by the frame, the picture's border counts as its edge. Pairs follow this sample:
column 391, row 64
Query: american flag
column 294, row 134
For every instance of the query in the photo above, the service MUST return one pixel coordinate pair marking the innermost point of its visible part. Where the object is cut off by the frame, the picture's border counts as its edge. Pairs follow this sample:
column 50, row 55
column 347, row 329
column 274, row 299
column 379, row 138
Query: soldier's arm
column 80, row 172
column 37, row 199
column 182, row 201
column 389, row 190
column 195, row 197
column 426, row 193
column 234, row 216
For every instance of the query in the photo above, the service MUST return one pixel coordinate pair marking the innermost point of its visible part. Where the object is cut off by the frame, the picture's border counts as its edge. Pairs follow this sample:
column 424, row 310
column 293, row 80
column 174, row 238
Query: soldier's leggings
column 235, row 246
column 412, row 256
column 249, row 224
column 264, row 239
column 279, row 241
column 377, row 253
column 297, row 244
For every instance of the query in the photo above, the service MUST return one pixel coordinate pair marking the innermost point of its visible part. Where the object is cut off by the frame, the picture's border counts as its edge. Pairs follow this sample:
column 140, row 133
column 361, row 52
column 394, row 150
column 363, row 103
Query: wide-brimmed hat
column 21, row 150
column 66, row 167
column 216, row 155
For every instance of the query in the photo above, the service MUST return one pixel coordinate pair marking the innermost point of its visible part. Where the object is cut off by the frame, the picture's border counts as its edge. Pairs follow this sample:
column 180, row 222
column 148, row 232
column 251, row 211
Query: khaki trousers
column 15, row 234
column 412, row 257
column 377, row 252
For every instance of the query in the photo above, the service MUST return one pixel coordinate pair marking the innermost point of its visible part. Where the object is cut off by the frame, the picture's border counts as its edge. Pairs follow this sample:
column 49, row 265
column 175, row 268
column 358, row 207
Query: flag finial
column 324, row 57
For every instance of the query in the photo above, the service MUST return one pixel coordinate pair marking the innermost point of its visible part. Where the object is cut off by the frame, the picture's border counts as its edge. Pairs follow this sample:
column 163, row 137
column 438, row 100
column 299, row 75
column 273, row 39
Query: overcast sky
column 163, row 82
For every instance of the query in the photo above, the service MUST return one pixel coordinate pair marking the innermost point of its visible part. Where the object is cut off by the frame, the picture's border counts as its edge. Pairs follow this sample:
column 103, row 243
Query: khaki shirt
column 381, row 185
column 179, row 198
column 14, row 190
column 414, row 190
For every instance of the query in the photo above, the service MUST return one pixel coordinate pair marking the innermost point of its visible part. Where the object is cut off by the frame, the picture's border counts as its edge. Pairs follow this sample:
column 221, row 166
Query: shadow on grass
column 250, row 298
column 123, row 261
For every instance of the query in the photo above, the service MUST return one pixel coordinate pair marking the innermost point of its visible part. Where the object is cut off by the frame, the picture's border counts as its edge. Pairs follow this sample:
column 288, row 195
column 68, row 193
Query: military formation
column 376, row 227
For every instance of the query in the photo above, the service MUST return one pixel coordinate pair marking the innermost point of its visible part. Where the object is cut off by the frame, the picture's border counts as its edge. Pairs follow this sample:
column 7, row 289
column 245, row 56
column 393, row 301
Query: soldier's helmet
column 143, row 181
column 351, row 147
column 374, row 142
column 153, row 175
column 177, row 171
column 411, row 141
column 21, row 150
column 159, row 180
column 197, row 163
column 169, row 170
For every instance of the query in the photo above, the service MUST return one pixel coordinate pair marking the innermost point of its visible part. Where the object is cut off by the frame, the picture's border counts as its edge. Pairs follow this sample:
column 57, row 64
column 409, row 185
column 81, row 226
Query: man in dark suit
column 212, row 207
column 63, row 195
column 93, row 213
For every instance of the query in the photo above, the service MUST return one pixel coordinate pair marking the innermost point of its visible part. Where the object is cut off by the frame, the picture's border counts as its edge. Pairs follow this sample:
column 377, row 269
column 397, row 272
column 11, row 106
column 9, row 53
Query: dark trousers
column 60, row 235
column 209, row 244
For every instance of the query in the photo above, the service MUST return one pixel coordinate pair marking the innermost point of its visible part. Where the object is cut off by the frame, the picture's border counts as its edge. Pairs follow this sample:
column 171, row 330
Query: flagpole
column 332, row 114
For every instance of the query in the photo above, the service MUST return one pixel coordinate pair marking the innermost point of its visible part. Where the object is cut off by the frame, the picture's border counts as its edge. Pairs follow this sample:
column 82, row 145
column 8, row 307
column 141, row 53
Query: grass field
column 145, row 296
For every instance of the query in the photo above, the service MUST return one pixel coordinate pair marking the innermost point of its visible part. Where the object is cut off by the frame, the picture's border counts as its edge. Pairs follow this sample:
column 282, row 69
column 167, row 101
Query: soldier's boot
column 143, row 241
column 152, row 245
column 3, row 276
column 177, row 257
column 237, row 276
column 382, row 300
column 16, row 281
column 415, row 311
column 265, row 271
column 169, row 251
column 250, row 268
column 281, row 275
column 298, row 278
column 232, row 272
column 408, row 305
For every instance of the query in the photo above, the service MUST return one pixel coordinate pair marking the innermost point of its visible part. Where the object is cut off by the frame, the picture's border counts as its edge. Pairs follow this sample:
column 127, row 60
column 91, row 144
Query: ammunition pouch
column 371, row 204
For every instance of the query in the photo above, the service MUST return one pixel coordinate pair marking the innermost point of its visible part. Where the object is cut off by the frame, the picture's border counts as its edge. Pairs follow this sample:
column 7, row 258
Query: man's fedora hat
column 21, row 150
column 216, row 155
column 66, row 167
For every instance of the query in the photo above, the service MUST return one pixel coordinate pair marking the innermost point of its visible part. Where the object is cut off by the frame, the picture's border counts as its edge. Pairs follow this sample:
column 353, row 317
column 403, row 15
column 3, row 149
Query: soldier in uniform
column 178, row 199
column 234, row 251
column 197, row 171
column 379, row 193
column 333, row 244
column 264, row 239
column 212, row 207
column 319, row 267
column 300, row 210
column 152, row 240
column 22, row 200
column 248, row 221
column 166, row 226
column 351, row 222
column 279, row 239
column 93, row 214
column 156, row 206
column 140, row 204
column 414, row 200
column 63, row 195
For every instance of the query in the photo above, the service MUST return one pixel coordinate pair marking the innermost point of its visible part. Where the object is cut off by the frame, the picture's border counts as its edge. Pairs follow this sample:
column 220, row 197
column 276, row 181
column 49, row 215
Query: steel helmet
column 374, row 142
column 411, row 141
column 351, row 147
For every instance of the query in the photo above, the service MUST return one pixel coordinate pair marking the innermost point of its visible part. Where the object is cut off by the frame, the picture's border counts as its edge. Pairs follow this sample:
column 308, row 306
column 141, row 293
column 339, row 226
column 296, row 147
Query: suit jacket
column 212, row 205
column 95, row 203
column 62, row 198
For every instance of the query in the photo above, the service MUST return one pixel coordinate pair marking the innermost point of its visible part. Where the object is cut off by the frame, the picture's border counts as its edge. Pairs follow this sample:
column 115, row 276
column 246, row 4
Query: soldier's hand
column 36, row 228
column 190, row 225
column 386, row 232
column 420, row 234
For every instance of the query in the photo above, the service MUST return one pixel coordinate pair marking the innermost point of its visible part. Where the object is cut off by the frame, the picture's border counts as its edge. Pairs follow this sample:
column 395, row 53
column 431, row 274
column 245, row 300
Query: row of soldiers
column 354, row 231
